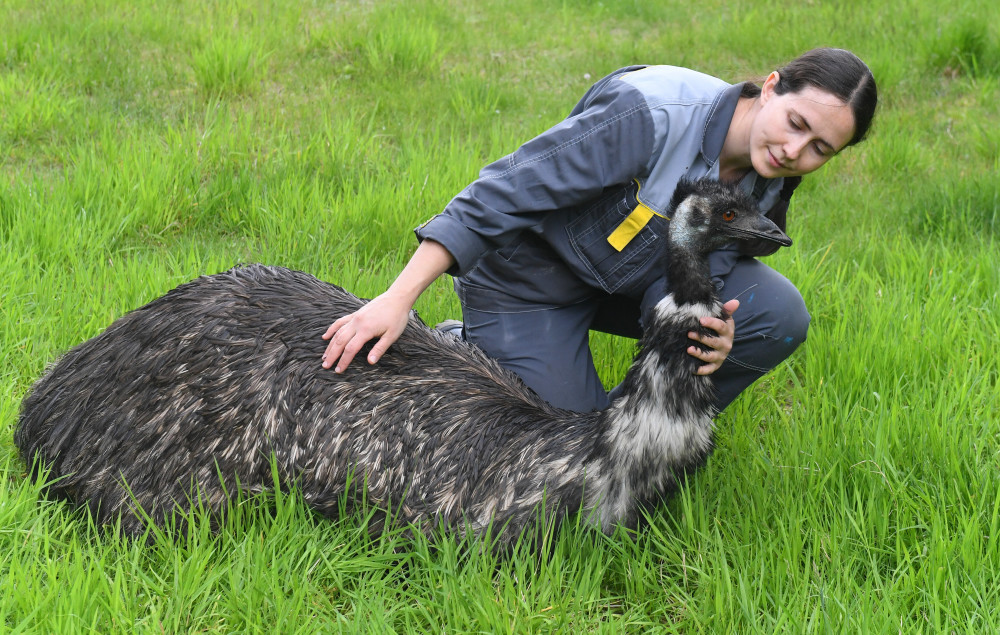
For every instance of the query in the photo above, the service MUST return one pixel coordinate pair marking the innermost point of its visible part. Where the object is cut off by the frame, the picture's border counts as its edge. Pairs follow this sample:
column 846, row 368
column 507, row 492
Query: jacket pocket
column 507, row 251
column 617, row 239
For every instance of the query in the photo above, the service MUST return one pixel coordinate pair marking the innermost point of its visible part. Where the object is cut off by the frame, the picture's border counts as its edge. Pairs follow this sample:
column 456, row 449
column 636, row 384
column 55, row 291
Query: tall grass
column 853, row 490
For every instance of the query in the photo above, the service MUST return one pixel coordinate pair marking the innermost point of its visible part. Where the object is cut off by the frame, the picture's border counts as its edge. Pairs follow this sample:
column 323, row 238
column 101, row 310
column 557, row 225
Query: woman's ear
column 767, row 90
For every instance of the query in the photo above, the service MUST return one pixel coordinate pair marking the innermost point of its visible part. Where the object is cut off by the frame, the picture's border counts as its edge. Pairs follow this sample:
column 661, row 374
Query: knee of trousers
column 771, row 323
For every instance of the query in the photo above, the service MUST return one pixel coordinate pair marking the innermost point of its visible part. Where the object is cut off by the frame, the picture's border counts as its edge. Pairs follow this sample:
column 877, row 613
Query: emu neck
column 688, row 274
column 661, row 424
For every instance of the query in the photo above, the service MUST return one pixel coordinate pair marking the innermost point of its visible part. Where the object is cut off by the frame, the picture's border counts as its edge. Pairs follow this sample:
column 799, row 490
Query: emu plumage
column 190, row 396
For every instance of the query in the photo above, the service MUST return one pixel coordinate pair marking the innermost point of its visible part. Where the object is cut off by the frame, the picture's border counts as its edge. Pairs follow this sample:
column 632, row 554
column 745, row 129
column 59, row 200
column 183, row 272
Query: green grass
column 854, row 489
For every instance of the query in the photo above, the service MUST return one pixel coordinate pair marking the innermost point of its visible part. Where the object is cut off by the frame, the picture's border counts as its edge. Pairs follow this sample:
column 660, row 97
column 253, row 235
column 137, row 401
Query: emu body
column 190, row 396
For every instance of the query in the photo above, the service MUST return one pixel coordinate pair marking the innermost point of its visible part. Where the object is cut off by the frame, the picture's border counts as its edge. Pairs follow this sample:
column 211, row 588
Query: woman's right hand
column 385, row 317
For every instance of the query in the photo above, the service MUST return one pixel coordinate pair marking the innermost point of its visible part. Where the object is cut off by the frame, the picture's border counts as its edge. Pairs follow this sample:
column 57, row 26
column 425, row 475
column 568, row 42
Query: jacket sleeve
column 606, row 140
column 778, row 214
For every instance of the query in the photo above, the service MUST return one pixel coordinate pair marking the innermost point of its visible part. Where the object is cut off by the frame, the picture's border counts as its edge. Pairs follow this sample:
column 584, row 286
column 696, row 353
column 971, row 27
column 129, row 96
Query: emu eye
column 728, row 215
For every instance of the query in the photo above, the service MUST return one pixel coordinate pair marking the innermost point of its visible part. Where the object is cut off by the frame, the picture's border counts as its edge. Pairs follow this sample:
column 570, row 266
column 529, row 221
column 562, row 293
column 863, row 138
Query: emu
column 196, row 395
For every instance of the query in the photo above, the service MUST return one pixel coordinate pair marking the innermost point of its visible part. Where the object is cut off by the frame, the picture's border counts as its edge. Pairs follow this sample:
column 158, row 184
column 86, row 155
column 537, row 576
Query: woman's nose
column 797, row 145
column 794, row 147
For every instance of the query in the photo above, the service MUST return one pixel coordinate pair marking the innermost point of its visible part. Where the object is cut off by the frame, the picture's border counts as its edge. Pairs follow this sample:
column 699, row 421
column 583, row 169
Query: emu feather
column 192, row 394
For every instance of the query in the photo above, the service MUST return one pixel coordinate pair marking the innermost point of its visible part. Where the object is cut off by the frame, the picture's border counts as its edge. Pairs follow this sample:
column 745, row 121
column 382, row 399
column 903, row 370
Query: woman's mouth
column 775, row 163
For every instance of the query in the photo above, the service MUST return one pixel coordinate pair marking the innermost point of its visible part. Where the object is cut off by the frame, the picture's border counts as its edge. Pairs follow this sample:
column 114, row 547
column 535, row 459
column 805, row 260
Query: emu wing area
column 188, row 397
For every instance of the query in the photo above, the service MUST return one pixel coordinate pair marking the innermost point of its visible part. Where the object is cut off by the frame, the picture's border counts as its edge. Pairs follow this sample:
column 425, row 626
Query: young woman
column 561, row 236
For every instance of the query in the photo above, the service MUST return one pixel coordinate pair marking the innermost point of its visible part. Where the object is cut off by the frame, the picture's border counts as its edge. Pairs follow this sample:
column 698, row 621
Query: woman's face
column 796, row 133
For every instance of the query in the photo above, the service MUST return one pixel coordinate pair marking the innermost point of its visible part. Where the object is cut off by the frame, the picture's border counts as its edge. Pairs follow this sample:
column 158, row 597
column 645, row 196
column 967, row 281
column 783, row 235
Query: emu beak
column 759, row 226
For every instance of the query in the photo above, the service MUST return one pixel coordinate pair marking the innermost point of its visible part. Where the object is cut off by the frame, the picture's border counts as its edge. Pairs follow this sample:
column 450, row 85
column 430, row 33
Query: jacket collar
column 717, row 125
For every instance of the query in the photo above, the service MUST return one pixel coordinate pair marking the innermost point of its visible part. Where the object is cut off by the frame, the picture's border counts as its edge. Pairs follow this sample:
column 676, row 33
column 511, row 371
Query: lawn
column 855, row 489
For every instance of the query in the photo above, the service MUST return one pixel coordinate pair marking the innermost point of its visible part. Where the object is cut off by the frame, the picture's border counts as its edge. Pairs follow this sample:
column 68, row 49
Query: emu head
column 708, row 214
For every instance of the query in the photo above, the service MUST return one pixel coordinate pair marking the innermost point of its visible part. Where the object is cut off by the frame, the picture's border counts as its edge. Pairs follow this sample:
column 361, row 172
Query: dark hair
column 836, row 71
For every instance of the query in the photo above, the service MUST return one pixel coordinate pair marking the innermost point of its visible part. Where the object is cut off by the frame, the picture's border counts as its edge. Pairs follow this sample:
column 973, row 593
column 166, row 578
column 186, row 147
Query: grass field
column 855, row 489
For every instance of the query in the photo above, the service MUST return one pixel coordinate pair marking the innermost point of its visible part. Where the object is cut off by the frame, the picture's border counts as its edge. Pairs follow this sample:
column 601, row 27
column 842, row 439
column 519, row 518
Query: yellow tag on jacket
column 632, row 225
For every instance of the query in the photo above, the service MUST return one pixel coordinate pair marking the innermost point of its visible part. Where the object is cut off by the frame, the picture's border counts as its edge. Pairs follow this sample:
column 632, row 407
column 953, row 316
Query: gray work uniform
column 561, row 236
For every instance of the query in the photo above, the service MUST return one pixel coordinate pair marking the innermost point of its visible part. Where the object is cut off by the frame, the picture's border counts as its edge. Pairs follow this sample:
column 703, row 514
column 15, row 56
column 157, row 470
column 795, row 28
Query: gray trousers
column 548, row 345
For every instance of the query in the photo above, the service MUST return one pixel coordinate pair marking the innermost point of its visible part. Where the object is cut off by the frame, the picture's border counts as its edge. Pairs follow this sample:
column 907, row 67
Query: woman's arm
column 385, row 317
column 570, row 162
column 609, row 139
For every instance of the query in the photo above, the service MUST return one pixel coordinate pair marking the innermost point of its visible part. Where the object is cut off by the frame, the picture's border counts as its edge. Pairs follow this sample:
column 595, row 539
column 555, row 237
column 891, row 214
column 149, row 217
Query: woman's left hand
column 719, row 345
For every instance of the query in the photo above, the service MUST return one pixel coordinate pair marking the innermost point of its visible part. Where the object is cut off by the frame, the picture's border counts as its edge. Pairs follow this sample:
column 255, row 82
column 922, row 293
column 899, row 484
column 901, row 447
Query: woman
column 560, row 237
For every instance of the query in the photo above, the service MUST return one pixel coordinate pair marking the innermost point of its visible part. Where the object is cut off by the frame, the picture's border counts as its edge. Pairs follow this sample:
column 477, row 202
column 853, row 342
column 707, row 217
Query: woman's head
column 809, row 110
column 840, row 73
column 835, row 71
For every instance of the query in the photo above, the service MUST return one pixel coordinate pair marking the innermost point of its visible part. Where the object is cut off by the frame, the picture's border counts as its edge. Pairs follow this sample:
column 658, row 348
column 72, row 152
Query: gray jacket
column 580, row 209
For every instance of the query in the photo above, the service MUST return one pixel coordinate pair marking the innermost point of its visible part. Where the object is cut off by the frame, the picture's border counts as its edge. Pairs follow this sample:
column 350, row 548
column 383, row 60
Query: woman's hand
column 383, row 318
column 718, row 345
